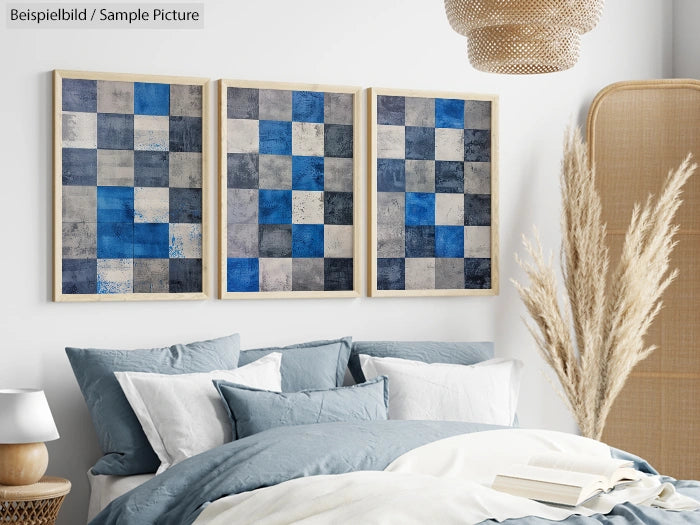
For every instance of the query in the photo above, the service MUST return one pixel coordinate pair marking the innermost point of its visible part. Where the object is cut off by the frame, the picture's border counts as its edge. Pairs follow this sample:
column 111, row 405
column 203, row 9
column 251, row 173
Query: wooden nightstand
column 36, row 504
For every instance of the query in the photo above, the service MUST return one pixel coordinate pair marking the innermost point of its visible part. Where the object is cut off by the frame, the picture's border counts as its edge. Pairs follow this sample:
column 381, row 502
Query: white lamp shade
column 25, row 416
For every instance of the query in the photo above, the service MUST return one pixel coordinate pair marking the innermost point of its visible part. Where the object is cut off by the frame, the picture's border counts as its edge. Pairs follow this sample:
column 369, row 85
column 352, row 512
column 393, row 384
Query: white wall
column 388, row 43
column 686, row 48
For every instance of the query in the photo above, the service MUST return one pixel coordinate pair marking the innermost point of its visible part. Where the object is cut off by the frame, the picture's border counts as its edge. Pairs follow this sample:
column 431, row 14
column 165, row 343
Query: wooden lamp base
column 22, row 463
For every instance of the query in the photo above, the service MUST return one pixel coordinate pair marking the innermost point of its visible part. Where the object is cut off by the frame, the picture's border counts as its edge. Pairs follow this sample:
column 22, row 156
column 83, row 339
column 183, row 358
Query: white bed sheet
column 104, row 489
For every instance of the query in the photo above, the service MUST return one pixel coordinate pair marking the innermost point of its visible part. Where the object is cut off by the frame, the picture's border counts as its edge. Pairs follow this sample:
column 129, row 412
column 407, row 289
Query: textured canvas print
column 129, row 187
column 288, row 176
column 433, row 192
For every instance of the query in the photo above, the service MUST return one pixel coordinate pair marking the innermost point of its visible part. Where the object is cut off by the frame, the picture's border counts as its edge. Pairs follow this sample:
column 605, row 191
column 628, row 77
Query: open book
column 565, row 479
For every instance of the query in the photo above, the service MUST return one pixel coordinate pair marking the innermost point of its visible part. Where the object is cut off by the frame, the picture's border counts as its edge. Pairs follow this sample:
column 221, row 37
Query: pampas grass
column 595, row 339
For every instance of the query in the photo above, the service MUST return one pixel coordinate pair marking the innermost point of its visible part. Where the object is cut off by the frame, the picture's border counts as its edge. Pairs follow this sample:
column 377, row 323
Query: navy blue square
column 151, row 241
column 420, row 241
column 151, row 98
column 79, row 276
column 115, row 204
column 420, row 143
column 477, row 145
column 186, row 134
column 242, row 275
column 391, row 175
column 242, row 103
column 115, row 240
column 275, row 240
column 337, row 140
column 185, row 205
column 449, row 176
column 391, row 110
column 185, row 276
column 307, row 106
column 391, row 274
column 307, row 240
column 337, row 275
column 449, row 113
column 307, row 173
column 477, row 274
column 79, row 95
column 275, row 207
column 420, row 209
column 79, row 167
column 449, row 241
column 151, row 169
column 275, row 137
column 477, row 210
column 337, row 207
column 242, row 170
column 115, row 131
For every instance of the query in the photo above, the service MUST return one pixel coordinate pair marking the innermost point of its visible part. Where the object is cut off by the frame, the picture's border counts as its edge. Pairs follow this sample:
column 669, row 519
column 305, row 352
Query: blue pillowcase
column 455, row 353
column 125, row 446
column 252, row 410
column 305, row 366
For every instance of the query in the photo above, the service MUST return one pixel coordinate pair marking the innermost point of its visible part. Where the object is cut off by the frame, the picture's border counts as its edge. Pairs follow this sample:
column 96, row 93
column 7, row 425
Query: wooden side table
column 36, row 504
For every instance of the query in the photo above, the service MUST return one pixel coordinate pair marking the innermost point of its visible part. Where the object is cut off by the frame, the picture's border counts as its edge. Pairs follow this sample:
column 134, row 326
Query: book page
column 606, row 467
column 554, row 476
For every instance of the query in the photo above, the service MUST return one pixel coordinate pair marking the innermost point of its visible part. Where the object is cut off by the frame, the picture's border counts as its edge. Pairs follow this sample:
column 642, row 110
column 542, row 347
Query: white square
column 79, row 130
column 115, row 276
column 307, row 207
column 185, row 241
column 307, row 139
column 449, row 144
column 337, row 241
column 151, row 133
column 151, row 205
column 391, row 142
column 242, row 136
column 449, row 209
column 420, row 273
column 477, row 241
column 275, row 274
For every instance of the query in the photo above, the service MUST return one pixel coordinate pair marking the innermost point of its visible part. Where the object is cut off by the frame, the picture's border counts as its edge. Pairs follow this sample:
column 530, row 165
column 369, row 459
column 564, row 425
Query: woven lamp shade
column 523, row 36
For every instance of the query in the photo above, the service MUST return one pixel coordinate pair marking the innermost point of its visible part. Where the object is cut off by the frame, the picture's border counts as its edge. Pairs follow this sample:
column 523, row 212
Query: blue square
column 307, row 173
column 185, row 205
column 79, row 167
column 449, row 241
column 420, row 209
column 391, row 274
column 420, row 143
column 242, row 275
column 391, row 110
column 477, row 274
column 307, row 106
column 79, row 276
column 307, row 240
column 151, row 98
column 115, row 204
column 477, row 209
column 151, row 240
column 391, row 175
column 449, row 176
column 275, row 207
column 115, row 240
column 449, row 113
column 79, row 95
column 151, row 169
column 477, row 145
column 420, row 241
column 115, row 131
column 186, row 134
column 275, row 137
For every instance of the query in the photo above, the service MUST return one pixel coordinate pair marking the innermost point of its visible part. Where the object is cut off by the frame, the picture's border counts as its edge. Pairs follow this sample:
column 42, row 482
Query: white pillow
column 182, row 414
column 485, row 392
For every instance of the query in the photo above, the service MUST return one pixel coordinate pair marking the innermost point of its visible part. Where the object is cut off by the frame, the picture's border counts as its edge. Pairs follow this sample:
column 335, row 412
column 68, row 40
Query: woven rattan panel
column 637, row 131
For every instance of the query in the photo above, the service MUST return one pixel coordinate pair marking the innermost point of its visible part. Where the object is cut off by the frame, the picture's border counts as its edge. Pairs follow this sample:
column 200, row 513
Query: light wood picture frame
column 433, row 193
column 288, row 212
column 131, row 220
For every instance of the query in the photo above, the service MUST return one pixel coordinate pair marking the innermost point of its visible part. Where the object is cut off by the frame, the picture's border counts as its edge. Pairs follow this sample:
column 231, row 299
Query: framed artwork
column 288, row 212
column 433, row 193
column 129, row 187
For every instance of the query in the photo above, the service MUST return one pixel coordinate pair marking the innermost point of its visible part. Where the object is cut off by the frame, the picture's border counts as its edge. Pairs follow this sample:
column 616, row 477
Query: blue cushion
column 252, row 410
column 125, row 446
column 314, row 365
column 455, row 353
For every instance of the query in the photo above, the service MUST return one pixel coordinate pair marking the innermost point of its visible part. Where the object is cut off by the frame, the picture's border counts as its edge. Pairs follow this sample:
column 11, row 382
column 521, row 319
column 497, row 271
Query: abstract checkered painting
column 129, row 186
column 433, row 183
column 288, row 178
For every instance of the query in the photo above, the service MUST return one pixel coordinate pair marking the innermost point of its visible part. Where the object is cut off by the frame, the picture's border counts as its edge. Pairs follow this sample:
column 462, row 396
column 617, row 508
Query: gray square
column 275, row 104
column 338, row 108
column 449, row 274
column 275, row 275
column 307, row 274
column 391, row 240
column 79, row 204
column 151, row 275
column 115, row 97
column 185, row 100
column 338, row 174
column 275, row 172
column 420, row 176
column 477, row 114
column 391, row 207
column 242, row 206
column 115, row 167
column 185, row 170
column 420, row 112
column 477, row 177
column 79, row 240
column 242, row 240
column 420, row 273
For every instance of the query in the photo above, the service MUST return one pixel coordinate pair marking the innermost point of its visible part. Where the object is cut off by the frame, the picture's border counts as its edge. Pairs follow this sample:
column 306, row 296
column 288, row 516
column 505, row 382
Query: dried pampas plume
column 595, row 339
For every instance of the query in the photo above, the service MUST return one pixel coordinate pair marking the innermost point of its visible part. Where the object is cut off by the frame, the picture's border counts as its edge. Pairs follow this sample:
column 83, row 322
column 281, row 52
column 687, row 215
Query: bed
column 330, row 432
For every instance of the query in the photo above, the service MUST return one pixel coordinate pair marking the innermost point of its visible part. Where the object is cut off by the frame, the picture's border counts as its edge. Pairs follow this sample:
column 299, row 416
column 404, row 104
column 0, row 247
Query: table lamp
column 25, row 423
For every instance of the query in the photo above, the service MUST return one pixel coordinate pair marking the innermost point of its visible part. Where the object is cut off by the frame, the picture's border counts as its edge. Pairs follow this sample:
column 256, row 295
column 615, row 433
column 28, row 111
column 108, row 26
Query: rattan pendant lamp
column 523, row 36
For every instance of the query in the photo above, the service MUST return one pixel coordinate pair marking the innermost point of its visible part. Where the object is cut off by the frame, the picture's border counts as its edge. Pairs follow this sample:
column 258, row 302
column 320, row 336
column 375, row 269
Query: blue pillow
column 454, row 353
column 252, row 410
column 124, row 445
column 316, row 365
